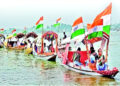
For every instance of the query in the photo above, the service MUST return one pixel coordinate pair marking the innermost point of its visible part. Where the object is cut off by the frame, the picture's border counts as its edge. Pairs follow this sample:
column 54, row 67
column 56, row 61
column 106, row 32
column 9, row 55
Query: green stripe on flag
column 95, row 34
column 2, row 32
column 106, row 29
column 24, row 32
column 55, row 25
column 15, row 34
column 39, row 26
column 77, row 33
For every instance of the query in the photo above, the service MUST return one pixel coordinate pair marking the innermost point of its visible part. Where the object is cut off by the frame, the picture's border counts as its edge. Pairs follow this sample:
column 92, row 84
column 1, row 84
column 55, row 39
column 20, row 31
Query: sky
column 25, row 13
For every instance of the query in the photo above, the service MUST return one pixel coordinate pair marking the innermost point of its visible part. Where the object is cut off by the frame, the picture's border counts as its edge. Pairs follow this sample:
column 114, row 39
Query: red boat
column 50, row 55
column 66, row 60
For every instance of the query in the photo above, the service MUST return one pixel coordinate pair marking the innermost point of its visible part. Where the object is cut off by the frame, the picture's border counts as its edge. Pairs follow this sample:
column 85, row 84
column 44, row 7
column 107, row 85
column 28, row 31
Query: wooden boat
column 29, row 50
column 16, row 48
column 21, row 47
column 85, row 64
column 84, row 69
column 51, row 54
column 10, row 44
column 46, row 56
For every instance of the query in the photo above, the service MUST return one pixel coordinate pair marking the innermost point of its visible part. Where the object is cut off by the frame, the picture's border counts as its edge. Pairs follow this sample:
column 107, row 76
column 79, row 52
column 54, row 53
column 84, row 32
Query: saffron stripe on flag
column 41, row 19
column 77, row 21
column 58, row 20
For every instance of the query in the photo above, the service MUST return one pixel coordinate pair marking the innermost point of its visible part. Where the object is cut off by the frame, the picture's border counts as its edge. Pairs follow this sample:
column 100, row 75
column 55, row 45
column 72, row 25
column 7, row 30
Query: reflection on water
column 16, row 68
column 88, row 80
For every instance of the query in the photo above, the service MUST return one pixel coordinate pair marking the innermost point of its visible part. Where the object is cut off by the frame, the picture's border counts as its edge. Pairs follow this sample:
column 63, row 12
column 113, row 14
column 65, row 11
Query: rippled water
column 18, row 69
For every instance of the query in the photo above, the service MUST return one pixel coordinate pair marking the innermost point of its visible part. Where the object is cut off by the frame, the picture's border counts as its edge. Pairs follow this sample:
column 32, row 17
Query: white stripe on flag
column 106, row 19
column 79, row 26
column 79, row 38
column 96, row 29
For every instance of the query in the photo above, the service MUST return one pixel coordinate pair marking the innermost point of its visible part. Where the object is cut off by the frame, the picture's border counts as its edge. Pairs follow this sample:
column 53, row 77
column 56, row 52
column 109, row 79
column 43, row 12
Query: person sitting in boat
column 14, row 44
column 93, row 55
column 51, row 47
column 24, row 43
column 101, row 65
column 93, row 59
column 45, row 48
column 65, row 36
column 18, row 42
column 76, row 57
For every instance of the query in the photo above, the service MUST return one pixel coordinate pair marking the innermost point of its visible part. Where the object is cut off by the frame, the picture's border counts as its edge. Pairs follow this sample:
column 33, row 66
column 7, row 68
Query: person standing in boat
column 34, row 48
column 1, row 43
column 76, row 58
column 60, row 42
column 18, row 42
column 29, row 44
column 101, row 62
column 45, row 48
column 65, row 36
column 39, row 45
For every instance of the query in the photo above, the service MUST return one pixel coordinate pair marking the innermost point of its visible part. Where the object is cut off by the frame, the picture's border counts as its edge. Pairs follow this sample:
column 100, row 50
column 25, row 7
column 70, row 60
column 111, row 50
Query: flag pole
column 42, row 30
column 58, row 28
column 107, row 49
column 86, row 43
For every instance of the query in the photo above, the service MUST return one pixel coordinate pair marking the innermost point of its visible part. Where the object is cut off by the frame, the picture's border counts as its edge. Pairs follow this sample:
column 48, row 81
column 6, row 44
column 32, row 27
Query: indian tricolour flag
column 78, row 30
column 95, row 30
column 39, row 23
column 2, row 30
column 106, row 16
column 57, row 22
column 14, row 32
column 24, row 31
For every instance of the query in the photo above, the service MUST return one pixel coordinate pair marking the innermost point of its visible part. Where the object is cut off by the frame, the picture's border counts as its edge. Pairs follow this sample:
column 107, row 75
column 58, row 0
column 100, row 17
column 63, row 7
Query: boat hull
column 1, row 46
column 47, row 58
column 87, row 72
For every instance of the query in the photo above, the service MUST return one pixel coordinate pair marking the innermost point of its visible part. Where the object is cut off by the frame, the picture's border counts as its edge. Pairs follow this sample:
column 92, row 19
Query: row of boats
column 53, row 50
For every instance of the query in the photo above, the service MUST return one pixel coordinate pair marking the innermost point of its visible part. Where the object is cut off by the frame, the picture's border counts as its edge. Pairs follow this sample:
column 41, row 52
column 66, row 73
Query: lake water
column 18, row 69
